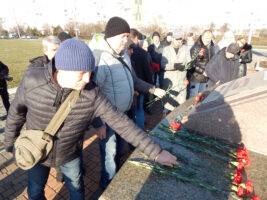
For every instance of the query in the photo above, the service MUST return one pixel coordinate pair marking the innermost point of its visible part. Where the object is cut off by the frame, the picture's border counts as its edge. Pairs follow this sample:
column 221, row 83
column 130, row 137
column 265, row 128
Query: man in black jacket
column 202, row 51
column 40, row 94
column 3, row 86
column 50, row 46
column 140, row 63
column 245, row 56
column 224, row 66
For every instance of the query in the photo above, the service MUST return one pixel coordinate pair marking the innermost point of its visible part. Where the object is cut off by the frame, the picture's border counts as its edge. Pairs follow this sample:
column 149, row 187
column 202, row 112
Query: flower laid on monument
column 232, row 158
column 199, row 97
column 237, row 177
column 255, row 198
column 177, row 174
column 239, row 165
column 243, row 188
column 241, row 152
column 175, row 126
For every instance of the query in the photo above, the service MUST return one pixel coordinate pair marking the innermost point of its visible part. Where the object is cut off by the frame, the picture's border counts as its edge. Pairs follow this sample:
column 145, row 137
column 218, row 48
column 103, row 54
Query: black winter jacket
column 245, row 54
column 196, row 73
column 3, row 74
column 222, row 69
column 141, row 64
column 37, row 100
column 40, row 61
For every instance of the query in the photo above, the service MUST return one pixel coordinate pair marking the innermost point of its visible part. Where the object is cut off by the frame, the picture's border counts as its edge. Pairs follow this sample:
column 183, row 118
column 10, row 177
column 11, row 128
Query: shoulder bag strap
column 122, row 62
column 62, row 113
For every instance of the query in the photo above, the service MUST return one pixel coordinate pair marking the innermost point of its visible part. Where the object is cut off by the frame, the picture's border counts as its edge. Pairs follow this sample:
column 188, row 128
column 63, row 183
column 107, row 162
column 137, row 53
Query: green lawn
column 16, row 54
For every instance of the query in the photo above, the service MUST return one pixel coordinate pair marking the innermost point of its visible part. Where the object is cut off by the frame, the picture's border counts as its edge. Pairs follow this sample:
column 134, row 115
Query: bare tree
column 88, row 30
column 2, row 30
column 224, row 28
column 33, row 31
column 195, row 29
column 57, row 30
column 47, row 29
column 70, row 27
column 22, row 29
column 263, row 33
column 151, row 28
column 212, row 26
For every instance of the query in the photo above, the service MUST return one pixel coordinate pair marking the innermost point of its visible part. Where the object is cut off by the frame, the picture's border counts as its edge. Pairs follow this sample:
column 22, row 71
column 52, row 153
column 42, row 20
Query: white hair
column 50, row 40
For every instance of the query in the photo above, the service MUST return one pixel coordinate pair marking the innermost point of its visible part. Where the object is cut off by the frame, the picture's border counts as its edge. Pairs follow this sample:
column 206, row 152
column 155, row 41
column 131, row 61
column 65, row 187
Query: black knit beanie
column 116, row 26
column 63, row 36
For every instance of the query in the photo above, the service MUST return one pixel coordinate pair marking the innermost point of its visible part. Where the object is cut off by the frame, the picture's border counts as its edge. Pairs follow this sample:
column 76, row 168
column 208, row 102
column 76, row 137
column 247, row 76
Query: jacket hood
column 222, row 53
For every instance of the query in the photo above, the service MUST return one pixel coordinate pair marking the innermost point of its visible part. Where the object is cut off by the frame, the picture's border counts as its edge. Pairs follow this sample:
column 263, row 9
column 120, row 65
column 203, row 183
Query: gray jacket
column 115, row 80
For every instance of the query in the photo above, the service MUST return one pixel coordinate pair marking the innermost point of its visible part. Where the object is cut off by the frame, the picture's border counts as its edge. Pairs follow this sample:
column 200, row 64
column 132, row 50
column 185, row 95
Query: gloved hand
column 179, row 66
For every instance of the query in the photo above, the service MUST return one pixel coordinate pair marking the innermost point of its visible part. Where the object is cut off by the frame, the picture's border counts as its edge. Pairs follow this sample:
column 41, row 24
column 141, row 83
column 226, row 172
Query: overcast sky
column 239, row 13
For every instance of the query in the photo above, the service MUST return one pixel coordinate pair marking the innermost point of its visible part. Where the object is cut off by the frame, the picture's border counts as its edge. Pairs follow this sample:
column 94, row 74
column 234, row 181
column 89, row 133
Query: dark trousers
column 5, row 98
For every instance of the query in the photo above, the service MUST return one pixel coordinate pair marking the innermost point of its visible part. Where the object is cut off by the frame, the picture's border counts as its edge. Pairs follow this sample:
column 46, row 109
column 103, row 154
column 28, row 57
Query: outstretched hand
column 166, row 158
column 101, row 132
column 159, row 92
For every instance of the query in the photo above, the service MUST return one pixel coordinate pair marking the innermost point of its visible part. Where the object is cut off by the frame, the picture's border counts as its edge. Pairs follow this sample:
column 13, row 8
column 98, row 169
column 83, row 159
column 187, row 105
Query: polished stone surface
column 133, row 182
column 235, row 111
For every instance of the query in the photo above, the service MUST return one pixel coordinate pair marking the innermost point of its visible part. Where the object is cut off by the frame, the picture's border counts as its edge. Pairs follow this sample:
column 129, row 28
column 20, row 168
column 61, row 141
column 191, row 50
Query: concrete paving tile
column 49, row 193
column 94, row 187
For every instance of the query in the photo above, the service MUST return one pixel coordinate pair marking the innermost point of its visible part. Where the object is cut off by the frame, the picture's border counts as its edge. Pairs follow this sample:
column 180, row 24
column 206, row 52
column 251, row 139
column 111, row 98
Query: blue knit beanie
column 74, row 55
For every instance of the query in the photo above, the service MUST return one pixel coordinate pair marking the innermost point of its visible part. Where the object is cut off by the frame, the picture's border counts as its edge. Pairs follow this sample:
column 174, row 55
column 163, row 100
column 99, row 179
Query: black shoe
column 147, row 111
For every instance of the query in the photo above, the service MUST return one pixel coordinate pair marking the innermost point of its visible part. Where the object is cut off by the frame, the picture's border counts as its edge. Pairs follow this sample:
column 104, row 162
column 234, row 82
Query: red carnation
column 241, row 154
column 240, row 191
column 240, row 166
column 176, row 126
column 202, row 96
column 255, row 198
column 197, row 99
column 237, row 177
column 186, row 82
column 247, row 161
column 249, row 187
column 242, row 50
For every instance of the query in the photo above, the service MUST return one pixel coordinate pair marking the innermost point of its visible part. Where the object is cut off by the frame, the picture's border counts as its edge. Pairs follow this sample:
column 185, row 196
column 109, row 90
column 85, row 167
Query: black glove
column 179, row 66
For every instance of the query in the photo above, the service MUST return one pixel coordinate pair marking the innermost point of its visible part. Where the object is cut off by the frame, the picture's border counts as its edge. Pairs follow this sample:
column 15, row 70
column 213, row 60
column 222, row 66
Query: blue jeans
column 72, row 172
column 196, row 88
column 139, row 113
column 110, row 150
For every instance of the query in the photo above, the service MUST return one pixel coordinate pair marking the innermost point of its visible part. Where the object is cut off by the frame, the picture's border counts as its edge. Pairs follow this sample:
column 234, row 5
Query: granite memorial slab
column 134, row 182
column 235, row 111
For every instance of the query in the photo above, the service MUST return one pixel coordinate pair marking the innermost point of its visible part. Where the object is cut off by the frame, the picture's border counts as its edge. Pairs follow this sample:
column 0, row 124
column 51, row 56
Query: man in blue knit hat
column 40, row 94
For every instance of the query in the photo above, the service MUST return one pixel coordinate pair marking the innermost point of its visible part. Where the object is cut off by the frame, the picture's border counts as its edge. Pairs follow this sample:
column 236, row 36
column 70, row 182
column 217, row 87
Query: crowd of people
column 117, row 73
